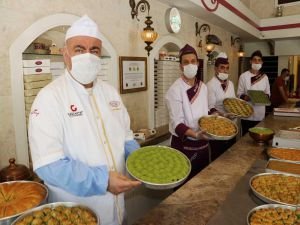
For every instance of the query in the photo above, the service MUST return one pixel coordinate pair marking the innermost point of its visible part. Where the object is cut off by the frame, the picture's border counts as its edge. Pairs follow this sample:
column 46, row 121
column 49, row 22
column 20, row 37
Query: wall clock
column 173, row 20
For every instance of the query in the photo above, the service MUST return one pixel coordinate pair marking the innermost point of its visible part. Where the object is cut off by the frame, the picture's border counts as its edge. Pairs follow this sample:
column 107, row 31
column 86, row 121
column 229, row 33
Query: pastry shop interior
column 210, row 141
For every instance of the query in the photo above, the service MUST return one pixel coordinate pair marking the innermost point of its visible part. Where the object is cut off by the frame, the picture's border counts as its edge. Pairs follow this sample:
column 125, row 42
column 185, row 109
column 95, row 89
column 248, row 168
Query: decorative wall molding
column 214, row 5
column 211, row 7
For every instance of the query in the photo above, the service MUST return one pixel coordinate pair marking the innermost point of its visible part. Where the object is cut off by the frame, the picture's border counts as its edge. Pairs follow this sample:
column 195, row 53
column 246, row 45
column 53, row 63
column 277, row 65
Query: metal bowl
column 268, row 206
column 159, row 186
column 264, row 198
column 216, row 137
column 54, row 205
column 260, row 137
column 8, row 220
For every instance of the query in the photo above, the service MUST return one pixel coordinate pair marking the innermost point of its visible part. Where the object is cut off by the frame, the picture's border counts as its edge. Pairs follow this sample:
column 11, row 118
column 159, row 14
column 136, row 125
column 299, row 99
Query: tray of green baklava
column 258, row 97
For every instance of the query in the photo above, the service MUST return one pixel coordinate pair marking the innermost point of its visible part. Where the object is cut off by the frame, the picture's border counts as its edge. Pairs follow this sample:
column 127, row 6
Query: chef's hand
column 216, row 113
column 230, row 116
column 246, row 98
column 118, row 183
column 202, row 135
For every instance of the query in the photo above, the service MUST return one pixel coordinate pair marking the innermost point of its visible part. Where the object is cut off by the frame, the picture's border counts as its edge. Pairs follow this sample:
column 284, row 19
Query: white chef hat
column 85, row 26
column 222, row 55
column 221, row 59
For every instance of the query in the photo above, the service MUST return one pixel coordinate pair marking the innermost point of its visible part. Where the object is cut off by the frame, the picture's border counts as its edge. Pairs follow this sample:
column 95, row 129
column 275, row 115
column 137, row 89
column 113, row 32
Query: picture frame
column 133, row 74
column 286, row 2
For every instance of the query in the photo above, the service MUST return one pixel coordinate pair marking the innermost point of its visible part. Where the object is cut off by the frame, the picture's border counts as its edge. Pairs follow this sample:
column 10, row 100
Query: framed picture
column 133, row 74
column 286, row 2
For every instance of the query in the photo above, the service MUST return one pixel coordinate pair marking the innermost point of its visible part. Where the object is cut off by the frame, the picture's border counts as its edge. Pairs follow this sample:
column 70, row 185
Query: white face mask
column 85, row 67
column 287, row 78
column 190, row 70
column 223, row 76
column 256, row 66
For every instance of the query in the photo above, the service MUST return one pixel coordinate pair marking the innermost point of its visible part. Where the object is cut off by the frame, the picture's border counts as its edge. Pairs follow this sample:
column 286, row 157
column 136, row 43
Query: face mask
column 287, row 78
column 256, row 66
column 190, row 70
column 85, row 67
column 223, row 76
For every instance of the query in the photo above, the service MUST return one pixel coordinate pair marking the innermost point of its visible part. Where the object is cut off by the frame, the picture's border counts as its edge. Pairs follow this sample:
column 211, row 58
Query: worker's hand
column 246, row 98
column 216, row 113
column 230, row 116
column 118, row 183
column 202, row 135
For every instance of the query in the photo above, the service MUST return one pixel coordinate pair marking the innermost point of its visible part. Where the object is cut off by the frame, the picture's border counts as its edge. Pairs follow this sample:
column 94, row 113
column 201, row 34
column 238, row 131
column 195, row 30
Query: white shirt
column 262, row 85
column 65, row 121
column 181, row 110
column 216, row 94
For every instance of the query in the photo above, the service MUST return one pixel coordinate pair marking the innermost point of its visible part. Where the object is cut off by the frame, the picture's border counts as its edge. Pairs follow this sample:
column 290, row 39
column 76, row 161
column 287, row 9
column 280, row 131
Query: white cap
column 222, row 55
column 85, row 26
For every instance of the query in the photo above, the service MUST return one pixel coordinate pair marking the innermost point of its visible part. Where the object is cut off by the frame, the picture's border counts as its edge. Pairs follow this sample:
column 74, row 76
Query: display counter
column 199, row 199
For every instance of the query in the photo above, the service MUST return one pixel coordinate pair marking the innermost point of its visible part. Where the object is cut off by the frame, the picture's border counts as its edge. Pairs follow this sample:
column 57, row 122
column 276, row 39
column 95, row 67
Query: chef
column 253, row 79
column 220, row 87
column 79, row 131
column 187, row 101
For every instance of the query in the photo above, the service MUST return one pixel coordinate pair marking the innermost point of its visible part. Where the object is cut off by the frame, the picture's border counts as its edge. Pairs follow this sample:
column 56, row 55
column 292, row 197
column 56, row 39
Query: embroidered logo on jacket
column 74, row 112
column 35, row 112
column 115, row 105
column 73, row 108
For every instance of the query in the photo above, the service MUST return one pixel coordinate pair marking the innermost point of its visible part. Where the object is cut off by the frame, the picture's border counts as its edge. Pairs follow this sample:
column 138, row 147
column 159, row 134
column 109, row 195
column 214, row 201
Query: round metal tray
column 264, row 198
column 240, row 100
column 216, row 137
column 164, row 186
column 53, row 205
column 268, row 206
column 9, row 219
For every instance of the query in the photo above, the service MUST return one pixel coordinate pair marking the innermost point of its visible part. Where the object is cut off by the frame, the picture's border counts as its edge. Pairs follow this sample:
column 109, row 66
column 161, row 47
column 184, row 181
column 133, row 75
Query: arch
column 16, row 68
column 155, row 52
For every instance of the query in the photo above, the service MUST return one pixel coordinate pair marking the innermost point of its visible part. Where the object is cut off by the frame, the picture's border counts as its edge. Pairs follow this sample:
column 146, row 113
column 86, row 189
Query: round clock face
column 173, row 20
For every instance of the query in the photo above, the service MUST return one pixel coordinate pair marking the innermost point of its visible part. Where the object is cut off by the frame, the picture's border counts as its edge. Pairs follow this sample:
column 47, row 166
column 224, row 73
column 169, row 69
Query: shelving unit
column 165, row 74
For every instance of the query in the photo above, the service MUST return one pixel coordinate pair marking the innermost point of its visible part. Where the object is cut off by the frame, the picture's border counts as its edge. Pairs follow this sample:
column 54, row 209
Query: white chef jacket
column 262, row 85
column 216, row 94
column 181, row 109
column 68, row 121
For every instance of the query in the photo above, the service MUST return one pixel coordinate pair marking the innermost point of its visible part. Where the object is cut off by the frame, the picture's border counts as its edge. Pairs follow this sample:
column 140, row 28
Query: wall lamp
column 149, row 35
column 241, row 52
column 211, row 40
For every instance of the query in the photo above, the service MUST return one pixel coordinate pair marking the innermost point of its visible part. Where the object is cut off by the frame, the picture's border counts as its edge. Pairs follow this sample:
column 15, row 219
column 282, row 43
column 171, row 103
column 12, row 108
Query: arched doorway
column 161, row 42
column 17, row 85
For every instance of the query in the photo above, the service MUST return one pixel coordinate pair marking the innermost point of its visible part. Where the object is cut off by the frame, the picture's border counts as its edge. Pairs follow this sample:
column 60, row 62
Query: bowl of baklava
column 63, row 213
column 16, row 197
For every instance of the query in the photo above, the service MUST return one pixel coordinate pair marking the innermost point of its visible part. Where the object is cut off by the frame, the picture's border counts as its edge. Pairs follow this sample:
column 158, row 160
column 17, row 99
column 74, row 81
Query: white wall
column 283, row 62
column 287, row 47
